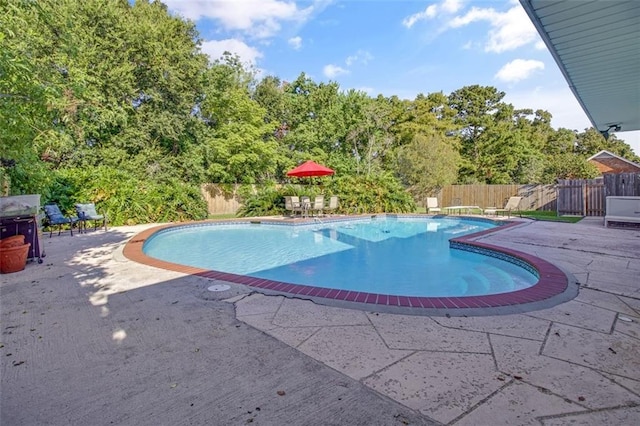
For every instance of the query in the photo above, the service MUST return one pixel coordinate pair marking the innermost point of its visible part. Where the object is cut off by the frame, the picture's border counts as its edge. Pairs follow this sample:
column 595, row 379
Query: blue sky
column 401, row 47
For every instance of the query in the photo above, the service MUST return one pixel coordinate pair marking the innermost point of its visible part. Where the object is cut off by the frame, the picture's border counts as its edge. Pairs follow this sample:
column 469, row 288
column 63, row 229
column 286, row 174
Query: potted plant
column 12, row 241
column 13, row 254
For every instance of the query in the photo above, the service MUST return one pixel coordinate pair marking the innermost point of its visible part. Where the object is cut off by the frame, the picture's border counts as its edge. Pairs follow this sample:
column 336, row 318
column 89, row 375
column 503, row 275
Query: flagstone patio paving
column 579, row 360
column 90, row 337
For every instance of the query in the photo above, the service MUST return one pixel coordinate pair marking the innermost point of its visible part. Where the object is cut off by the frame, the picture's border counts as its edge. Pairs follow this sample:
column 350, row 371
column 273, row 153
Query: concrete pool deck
column 90, row 337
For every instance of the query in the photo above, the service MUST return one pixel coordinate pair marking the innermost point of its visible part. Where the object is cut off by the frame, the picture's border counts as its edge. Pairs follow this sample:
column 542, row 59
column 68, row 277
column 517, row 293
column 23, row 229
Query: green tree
column 269, row 94
column 28, row 90
column 474, row 108
column 371, row 138
column 314, row 117
column 568, row 166
column 591, row 142
column 426, row 115
column 241, row 147
column 428, row 163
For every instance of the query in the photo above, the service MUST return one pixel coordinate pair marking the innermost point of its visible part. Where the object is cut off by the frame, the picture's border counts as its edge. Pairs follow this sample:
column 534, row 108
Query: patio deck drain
column 219, row 287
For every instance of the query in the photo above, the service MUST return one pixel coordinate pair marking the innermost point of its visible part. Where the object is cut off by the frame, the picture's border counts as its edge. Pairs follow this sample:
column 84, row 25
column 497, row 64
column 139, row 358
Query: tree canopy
column 115, row 103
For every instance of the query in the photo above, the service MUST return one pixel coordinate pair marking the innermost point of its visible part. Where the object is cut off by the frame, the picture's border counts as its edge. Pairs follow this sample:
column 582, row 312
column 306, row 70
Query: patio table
column 459, row 209
column 490, row 211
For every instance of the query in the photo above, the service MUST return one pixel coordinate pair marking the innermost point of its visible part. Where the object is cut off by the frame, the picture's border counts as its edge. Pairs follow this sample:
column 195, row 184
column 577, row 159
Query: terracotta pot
column 13, row 259
column 12, row 241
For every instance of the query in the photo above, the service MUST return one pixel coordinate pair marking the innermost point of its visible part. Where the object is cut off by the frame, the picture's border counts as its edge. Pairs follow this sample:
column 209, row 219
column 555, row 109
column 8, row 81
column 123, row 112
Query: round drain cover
column 219, row 287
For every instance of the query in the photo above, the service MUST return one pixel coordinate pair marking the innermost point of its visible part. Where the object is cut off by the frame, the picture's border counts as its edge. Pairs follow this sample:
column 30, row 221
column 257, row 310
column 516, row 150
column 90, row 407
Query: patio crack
column 541, row 419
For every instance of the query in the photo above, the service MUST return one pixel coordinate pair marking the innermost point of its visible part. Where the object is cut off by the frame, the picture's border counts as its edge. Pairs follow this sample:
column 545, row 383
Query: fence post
column 584, row 197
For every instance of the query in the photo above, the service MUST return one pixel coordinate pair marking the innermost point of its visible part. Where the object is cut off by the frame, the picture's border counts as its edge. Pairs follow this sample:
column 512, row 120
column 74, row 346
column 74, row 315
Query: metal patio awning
column 596, row 44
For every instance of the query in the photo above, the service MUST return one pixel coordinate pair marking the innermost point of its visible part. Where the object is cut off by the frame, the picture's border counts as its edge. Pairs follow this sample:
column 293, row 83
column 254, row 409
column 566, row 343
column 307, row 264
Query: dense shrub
column 371, row 194
column 357, row 194
column 264, row 200
column 126, row 199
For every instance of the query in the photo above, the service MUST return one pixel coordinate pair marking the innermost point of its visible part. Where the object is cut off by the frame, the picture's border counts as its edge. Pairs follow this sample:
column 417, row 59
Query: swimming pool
column 384, row 255
column 554, row 286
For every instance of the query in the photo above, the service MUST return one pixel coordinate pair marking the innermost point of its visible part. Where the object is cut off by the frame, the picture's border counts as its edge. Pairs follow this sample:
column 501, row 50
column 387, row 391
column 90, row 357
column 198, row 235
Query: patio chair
column 432, row 205
column 305, row 203
column 56, row 218
column 333, row 203
column 292, row 204
column 87, row 212
column 512, row 205
column 318, row 204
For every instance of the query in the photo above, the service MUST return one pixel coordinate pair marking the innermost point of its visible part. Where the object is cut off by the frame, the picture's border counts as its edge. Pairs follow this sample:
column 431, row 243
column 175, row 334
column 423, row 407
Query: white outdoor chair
column 318, row 204
column 292, row 204
column 333, row 203
column 432, row 205
column 513, row 205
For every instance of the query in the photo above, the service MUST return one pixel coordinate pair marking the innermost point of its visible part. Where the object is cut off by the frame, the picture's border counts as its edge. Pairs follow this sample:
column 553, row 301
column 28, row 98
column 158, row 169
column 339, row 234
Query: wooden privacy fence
column 587, row 197
column 534, row 197
column 220, row 199
column 581, row 197
column 622, row 184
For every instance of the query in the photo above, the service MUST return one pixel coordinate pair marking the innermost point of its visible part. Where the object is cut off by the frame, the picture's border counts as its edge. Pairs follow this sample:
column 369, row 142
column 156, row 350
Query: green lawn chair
column 87, row 212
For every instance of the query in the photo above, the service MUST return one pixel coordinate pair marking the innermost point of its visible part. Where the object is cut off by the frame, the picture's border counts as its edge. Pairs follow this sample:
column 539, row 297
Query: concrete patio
column 89, row 337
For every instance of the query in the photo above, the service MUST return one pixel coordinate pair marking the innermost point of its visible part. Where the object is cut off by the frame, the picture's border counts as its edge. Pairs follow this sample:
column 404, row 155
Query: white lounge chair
column 432, row 205
column 513, row 205
column 333, row 203
column 292, row 204
column 318, row 204
column 305, row 202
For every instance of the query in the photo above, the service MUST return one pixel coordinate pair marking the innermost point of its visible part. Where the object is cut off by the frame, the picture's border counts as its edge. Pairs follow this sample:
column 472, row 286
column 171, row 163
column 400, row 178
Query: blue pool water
column 396, row 256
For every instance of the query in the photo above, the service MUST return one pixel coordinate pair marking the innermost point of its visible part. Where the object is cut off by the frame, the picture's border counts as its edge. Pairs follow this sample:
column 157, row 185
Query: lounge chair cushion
column 88, row 212
column 55, row 216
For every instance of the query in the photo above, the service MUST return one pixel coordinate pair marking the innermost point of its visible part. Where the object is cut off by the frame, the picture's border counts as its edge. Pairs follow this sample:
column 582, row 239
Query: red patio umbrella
column 310, row 168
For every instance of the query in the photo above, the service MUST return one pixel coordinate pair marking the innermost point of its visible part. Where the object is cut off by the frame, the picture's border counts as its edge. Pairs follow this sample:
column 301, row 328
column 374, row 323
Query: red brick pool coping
column 552, row 281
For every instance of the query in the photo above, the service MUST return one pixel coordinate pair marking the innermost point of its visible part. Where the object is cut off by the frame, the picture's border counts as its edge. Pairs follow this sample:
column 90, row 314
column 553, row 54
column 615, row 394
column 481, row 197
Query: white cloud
column 518, row 69
column 428, row 13
column 509, row 30
column 512, row 30
column 295, row 42
column 215, row 49
column 474, row 15
column 361, row 56
column 257, row 18
column 331, row 71
column 451, row 6
column 432, row 11
column 540, row 45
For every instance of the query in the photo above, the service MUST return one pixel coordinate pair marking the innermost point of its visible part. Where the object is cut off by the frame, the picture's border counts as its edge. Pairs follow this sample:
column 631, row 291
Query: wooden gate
column 581, row 197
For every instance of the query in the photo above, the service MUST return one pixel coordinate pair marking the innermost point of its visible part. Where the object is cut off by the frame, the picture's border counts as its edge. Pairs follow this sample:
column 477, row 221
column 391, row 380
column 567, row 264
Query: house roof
column 596, row 45
column 605, row 155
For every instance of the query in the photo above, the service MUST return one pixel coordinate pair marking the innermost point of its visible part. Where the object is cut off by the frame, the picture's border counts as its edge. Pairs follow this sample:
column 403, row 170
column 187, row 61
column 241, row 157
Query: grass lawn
column 551, row 216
